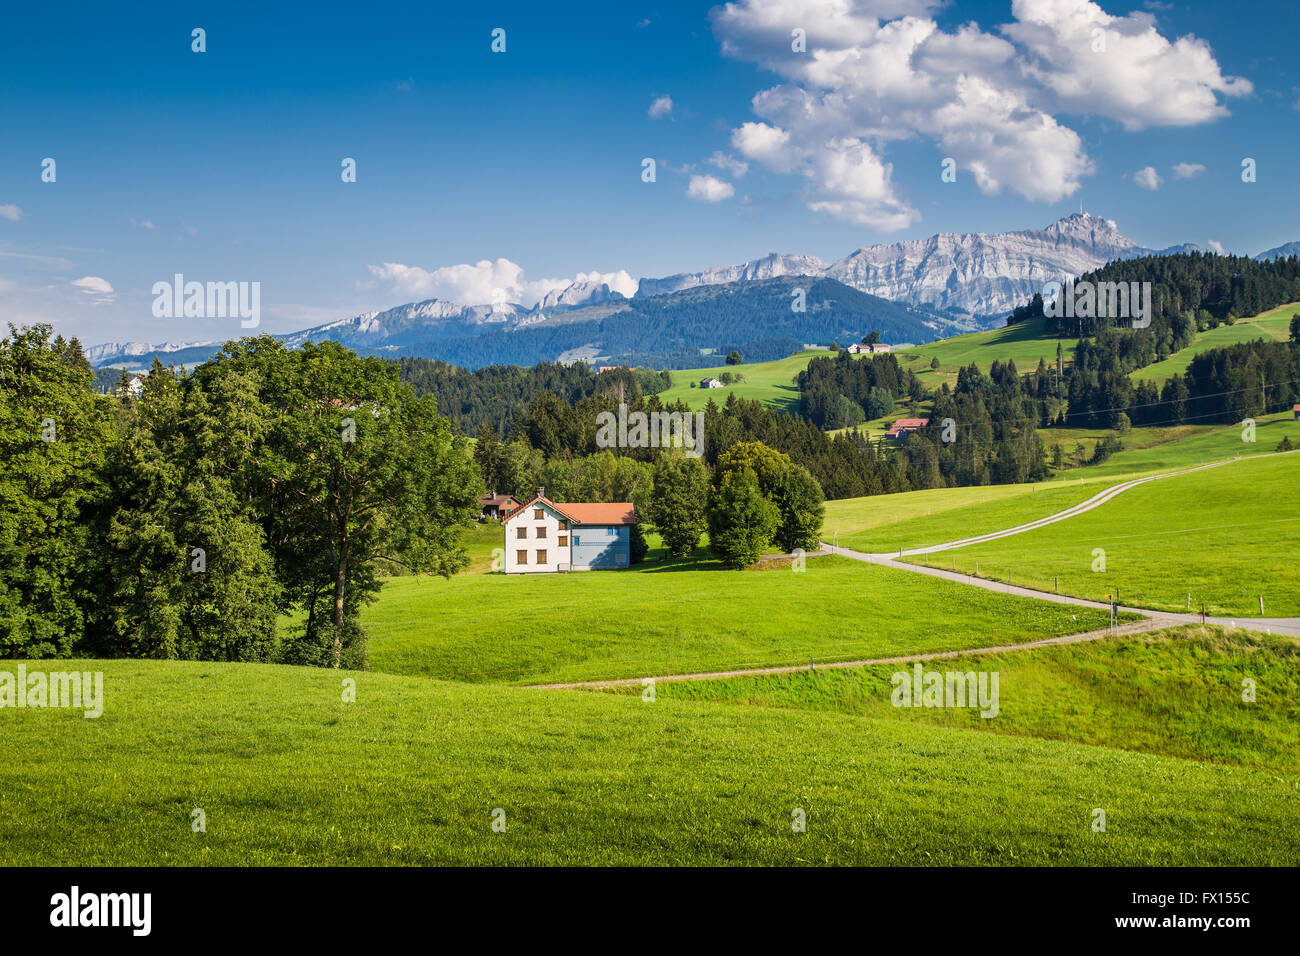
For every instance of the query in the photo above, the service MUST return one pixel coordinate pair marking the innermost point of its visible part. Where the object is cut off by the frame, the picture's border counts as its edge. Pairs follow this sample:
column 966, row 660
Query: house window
column 564, row 526
column 539, row 514
column 521, row 532
column 541, row 532
column 541, row 557
column 564, row 541
column 521, row 557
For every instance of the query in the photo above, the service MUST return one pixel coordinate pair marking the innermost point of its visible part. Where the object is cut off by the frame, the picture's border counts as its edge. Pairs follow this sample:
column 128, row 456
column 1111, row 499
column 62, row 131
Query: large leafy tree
column 356, row 475
column 184, row 568
column 677, row 502
column 791, row 488
column 741, row 521
column 53, row 430
column 799, row 500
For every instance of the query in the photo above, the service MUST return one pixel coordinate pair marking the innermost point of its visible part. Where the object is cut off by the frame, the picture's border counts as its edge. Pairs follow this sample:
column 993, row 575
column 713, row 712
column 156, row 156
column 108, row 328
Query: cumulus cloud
column 709, row 189
column 99, row 290
column 729, row 164
column 1216, row 246
column 1148, row 178
column 1120, row 67
column 619, row 281
column 11, row 212
column 487, row 282
column 142, row 223
column 879, row 71
column 661, row 107
column 1187, row 170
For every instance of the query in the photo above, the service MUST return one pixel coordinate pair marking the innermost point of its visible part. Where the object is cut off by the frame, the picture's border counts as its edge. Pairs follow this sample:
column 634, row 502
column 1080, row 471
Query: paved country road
column 1152, row 620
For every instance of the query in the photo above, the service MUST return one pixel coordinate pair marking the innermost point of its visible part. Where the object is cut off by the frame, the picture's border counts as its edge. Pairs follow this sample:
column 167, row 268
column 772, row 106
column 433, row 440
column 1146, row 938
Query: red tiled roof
column 618, row 512
column 903, row 423
column 584, row 512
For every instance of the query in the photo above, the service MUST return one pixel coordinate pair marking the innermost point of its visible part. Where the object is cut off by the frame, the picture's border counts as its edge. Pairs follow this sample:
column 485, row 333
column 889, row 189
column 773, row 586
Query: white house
column 710, row 383
column 875, row 348
column 544, row 537
column 135, row 387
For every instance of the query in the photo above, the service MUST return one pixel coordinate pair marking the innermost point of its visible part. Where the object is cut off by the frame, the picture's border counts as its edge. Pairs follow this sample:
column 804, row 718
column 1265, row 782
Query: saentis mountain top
column 914, row 291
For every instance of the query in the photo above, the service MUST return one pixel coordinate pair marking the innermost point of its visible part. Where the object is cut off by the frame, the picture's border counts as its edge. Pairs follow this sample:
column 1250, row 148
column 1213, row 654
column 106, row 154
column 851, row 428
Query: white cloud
column 1139, row 78
column 619, row 281
column 661, row 107
column 1216, row 246
column 765, row 144
column 879, row 71
column 1187, row 170
column 1148, row 178
column 142, row 223
column 709, row 189
column 11, row 212
column 729, row 164
column 487, row 282
column 99, row 290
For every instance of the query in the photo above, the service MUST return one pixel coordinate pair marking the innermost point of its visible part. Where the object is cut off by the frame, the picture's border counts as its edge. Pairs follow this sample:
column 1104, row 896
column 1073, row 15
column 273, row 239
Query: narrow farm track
column 1095, row 501
column 1151, row 620
column 1134, row 627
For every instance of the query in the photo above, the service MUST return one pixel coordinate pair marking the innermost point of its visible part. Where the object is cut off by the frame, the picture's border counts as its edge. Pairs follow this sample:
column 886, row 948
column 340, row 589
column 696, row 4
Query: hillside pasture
column 414, row 772
column 1225, row 536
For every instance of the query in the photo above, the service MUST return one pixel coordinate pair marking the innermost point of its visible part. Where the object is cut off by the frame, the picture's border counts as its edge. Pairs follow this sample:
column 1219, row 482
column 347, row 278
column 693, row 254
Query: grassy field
column 769, row 382
column 1226, row 535
column 1174, row 692
column 411, row 772
column 686, row 618
column 936, row 515
column 1201, row 444
column 1274, row 324
column 1024, row 343
column 916, row 518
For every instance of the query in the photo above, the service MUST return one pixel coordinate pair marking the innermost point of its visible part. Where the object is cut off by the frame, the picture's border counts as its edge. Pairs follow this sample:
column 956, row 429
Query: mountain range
column 914, row 290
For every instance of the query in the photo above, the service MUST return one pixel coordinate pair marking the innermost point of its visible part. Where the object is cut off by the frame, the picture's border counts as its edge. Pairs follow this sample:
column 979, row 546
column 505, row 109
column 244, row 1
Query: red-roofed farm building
column 543, row 536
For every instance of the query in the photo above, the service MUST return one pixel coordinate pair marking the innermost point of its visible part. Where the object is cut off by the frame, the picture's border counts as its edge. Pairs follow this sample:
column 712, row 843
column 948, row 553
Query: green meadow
column 769, row 382
column 1175, row 692
column 1202, row 444
column 687, row 617
column 287, row 773
column 1225, row 535
column 1274, row 324
column 1024, row 343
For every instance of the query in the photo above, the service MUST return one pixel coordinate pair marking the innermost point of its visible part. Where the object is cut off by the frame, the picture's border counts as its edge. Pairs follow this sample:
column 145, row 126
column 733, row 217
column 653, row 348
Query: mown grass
column 1024, row 343
column 1176, row 692
column 1218, row 443
column 1273, row 325
column 914, row 519
column 935, row 516
column 687, row 617
column 411, row 772
column 771, row 383
column 1226, row 535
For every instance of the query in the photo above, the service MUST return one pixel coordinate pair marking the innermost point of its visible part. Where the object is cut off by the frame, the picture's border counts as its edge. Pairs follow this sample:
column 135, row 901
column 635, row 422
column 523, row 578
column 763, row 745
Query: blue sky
column 225, row 165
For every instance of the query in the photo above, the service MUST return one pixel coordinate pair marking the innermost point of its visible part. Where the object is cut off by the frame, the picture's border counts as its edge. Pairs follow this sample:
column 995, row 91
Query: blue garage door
column 600, row 547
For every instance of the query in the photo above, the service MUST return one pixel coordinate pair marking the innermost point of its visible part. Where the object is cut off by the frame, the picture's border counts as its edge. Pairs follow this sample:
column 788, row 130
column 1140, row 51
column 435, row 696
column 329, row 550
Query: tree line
column 188, row 523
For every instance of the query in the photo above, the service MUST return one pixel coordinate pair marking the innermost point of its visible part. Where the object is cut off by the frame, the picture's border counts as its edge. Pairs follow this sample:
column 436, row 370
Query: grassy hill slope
column 686, row 617
column 1174, row 692
column 411, row 772
column 1226, row 535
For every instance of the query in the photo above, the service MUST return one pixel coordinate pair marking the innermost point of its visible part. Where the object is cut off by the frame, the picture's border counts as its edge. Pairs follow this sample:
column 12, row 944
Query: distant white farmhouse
column 544, row 537
column 874, row 349
column 710, row 383
column 135, row 387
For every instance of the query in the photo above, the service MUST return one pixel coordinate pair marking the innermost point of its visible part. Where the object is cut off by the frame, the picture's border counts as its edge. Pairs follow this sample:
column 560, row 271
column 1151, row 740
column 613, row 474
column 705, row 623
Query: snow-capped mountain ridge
column 962, row 280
